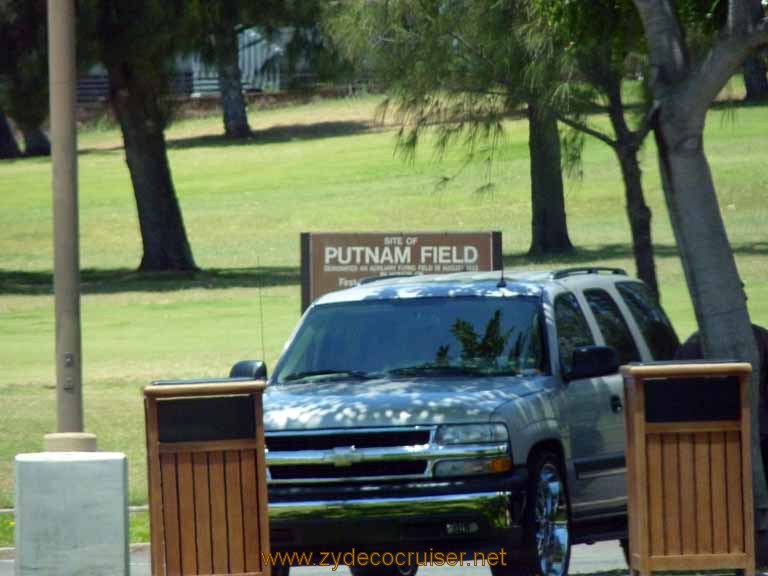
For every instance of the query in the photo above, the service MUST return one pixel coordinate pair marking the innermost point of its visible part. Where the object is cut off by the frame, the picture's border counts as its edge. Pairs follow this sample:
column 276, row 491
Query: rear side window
column 612, row 325
column 572, row 329
column 651, row 319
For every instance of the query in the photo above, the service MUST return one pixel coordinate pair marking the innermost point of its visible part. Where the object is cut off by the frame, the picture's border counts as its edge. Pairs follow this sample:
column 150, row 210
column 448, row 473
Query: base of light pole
column 71, row 514
column 70, row 442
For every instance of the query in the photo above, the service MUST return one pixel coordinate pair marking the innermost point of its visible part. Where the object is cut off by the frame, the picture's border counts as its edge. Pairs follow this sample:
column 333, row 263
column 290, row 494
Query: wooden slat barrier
column 207, row 479
column 689, row 470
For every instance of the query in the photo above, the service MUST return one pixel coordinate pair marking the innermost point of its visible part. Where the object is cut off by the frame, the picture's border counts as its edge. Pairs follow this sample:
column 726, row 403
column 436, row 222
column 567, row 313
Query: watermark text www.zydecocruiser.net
column 354, row 557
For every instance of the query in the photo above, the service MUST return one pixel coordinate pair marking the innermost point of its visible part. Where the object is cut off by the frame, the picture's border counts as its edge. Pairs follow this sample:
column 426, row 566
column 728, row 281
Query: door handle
column 616, row 404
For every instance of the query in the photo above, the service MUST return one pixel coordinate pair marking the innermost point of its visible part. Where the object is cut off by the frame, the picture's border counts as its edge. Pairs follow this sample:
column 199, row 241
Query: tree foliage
column 214, row 26
column 592, row 47
column 24, row 68
column 443, row 64
column 8, row 146
column 140, row 40
column 457, row 69
column 589, row 44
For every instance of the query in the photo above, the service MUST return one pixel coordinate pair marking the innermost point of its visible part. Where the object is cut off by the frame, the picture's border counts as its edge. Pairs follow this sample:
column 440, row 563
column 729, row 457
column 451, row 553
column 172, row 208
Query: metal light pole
column 66, row 277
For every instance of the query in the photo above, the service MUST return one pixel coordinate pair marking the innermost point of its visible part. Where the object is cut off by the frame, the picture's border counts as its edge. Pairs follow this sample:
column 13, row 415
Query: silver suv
column 464, row 413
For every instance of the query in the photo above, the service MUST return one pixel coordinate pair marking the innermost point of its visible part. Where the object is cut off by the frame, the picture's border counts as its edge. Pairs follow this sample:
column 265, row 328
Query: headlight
column 472, row 467
column 449, row 434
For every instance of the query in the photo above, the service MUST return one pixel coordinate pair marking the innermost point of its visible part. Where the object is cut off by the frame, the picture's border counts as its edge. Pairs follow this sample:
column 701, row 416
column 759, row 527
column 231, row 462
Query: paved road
column 585, row 559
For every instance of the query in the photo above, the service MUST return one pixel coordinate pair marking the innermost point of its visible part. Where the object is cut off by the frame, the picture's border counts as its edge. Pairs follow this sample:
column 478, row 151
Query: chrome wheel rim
column 551, row 522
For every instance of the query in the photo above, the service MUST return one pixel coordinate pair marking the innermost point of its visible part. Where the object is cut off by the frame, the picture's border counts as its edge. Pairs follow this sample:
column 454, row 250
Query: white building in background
column 261, row 65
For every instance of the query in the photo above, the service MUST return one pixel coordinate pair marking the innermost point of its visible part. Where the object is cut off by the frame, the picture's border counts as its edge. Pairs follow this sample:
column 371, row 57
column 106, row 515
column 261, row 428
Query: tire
column 384, row 570
column 546, row 523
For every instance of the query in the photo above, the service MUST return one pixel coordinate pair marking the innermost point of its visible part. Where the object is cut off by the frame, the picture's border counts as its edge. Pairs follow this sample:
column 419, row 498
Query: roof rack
column 566, row 272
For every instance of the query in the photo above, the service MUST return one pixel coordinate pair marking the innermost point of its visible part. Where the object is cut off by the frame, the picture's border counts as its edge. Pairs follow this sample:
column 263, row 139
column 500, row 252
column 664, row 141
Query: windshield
column 416, row 337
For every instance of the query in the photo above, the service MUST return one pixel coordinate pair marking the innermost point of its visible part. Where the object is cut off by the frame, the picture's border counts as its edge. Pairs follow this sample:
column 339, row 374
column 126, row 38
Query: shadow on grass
column 608, row 252
column 273, row 135
column 118, row 280
column 125, row 280
column 276, row 135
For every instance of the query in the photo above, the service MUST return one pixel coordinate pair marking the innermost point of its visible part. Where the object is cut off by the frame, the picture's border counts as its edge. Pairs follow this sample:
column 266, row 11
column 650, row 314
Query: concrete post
column 71, row 514
column 63, row 93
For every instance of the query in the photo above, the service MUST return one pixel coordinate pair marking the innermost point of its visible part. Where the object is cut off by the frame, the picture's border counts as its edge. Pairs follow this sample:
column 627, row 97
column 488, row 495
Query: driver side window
column 572, row 329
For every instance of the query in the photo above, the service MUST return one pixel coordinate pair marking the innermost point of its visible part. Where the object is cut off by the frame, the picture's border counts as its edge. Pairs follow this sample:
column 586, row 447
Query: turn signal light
column 473, row 467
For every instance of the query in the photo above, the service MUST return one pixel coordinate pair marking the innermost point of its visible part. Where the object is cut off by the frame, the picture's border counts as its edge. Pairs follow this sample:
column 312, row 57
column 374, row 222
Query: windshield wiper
column 356, row 374
column 434, row 369
column 449, row 370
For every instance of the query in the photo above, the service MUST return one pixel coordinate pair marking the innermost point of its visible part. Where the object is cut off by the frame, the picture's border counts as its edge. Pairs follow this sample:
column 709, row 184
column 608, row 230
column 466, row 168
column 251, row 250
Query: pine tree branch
column 478, row 53
column 581, row 127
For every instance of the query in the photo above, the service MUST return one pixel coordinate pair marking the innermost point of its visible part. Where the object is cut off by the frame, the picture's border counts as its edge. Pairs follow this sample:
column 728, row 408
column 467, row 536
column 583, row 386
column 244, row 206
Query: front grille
column 340, row 455
column 359, row 470
column 378, row 439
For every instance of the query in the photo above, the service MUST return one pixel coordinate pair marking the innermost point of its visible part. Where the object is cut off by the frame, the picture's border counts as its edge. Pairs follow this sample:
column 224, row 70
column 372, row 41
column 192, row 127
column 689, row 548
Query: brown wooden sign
column 689, row 473
column 334, row 261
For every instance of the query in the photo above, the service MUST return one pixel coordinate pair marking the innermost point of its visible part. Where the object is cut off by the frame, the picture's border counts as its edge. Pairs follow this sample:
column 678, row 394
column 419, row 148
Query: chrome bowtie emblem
column 343, row 456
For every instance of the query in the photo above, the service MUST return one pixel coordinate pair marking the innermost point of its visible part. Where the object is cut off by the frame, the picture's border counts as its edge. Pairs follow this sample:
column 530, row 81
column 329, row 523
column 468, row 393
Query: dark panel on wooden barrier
column 692, row 399
column 206, row 419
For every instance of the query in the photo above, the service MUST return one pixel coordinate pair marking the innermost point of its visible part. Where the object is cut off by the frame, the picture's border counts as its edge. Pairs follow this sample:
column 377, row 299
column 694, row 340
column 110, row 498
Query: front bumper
column 436, row 518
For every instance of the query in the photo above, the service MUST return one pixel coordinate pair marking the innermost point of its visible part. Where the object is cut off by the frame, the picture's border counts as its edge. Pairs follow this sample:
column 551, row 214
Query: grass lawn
column 6, row 530
column 314, row 167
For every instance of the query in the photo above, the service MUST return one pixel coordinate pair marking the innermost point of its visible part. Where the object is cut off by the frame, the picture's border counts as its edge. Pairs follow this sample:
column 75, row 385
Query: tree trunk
column 230, row 85
column 708, row 262
column 141, row 120
column 36, row 143
column 755, row 78
column 683, row 92
column 549, row 225
column 639, row 216
column 626, row 146
column 710, row 269
column 8, row 146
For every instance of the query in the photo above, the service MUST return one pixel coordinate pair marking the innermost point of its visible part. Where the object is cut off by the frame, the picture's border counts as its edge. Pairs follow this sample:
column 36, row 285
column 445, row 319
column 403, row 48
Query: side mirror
column 593, row 361
column 250, row 369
